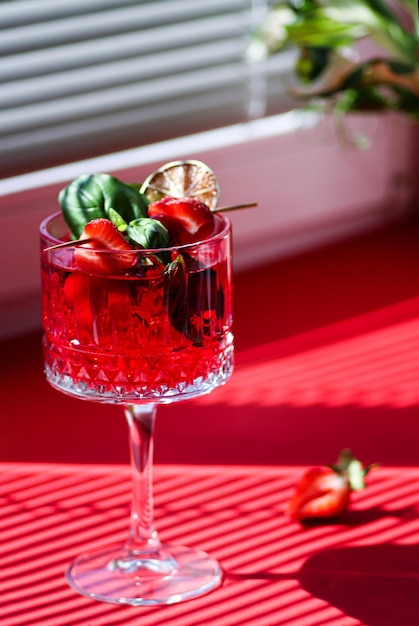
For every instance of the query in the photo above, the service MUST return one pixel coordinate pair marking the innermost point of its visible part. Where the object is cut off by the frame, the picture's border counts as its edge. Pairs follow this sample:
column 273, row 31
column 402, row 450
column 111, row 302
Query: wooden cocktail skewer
column 81, row 242
column 68, row 244
column 233, row 207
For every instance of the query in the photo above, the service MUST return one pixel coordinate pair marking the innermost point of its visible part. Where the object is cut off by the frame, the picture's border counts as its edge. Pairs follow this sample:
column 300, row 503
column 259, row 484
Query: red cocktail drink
column 157, row 327
column 137, row 311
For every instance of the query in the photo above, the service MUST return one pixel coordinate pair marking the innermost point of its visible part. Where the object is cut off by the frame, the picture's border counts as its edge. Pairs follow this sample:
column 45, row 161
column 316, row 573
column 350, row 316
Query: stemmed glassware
column 156, row 332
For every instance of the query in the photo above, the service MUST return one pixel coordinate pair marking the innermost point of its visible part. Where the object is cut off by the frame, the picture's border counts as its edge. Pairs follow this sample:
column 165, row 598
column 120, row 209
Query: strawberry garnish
column 195, row 300
column 77, row 297
column 187, row 219
column 101, row 238
column 324, row 492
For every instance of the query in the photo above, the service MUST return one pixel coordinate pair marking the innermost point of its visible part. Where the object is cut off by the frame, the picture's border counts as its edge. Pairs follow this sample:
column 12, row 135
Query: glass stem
column 143, row 537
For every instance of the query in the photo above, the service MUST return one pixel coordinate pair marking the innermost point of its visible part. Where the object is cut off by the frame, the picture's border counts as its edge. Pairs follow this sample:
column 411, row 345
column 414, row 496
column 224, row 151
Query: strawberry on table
column 187, row 219
column 324, row 492
column 101, row 237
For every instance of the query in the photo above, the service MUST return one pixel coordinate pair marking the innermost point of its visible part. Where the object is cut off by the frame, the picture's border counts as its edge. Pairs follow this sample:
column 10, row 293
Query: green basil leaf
column 122, row 197
column 148, row 233
column 117, row 220
column 81, row 201
column 91, row 196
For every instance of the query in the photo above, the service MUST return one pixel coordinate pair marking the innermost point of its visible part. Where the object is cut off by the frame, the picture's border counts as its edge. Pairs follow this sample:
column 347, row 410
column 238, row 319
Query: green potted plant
column 335, row 67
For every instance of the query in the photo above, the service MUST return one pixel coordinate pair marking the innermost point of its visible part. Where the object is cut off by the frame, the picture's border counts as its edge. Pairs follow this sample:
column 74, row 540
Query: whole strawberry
column 324, row 492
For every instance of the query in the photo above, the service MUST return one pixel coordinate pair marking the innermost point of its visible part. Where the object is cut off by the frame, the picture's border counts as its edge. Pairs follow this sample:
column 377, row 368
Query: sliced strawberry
column 193, row 218
column 77, row 297
column 173, row 226
column 95, row 257
column 321, row 493
column 324, row 492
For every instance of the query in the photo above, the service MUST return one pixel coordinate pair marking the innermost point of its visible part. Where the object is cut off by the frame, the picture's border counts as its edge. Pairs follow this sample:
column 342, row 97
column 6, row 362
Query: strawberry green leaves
column 92, row 196
column 352, row 469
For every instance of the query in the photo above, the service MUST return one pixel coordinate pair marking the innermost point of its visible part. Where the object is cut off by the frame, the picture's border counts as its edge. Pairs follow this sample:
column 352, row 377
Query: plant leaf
column 117, row 220
column 325, row 31
column 90, row 196
column 148, row 233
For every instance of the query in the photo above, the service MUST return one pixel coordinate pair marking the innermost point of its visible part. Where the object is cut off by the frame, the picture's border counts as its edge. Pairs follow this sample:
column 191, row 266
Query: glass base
column 173, row 574
column 68, row 370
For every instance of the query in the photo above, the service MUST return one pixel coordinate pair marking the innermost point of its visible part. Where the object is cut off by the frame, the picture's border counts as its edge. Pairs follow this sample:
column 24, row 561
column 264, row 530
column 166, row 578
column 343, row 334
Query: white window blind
column 83, row 77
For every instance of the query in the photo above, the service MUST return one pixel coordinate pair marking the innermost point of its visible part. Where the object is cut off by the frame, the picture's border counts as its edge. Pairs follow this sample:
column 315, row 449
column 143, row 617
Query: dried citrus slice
column 179, row 179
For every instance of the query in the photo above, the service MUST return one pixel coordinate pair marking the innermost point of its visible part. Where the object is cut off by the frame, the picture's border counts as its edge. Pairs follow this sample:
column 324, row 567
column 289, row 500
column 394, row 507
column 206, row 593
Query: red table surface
column 362, row 570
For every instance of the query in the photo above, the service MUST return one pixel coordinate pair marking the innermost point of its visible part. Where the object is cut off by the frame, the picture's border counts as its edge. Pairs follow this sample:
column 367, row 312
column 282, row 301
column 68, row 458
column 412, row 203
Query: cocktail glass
column 157, row 331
